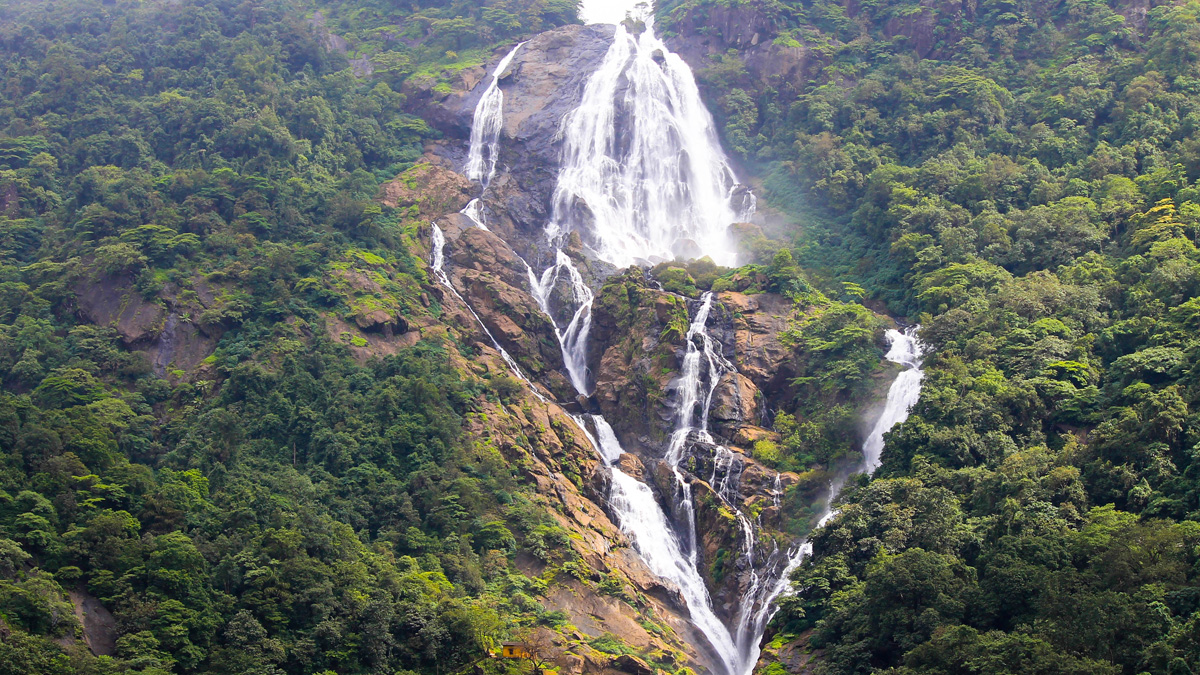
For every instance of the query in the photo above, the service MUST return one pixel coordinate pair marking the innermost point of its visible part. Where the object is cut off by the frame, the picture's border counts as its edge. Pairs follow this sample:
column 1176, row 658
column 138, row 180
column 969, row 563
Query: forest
column 1020, row 177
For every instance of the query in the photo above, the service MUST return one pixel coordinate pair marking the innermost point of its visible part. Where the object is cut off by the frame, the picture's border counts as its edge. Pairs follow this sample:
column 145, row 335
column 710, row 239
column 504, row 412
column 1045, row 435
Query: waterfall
column 643, row 177
column 611, row 11
column 700, row 361
column 639, row 515
column 905, row 349
column 486, row 126
column 572, row 339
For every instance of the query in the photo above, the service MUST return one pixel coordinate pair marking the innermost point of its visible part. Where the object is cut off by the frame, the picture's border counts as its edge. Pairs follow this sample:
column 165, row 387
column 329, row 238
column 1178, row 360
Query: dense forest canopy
column 1021, row 177
column 280, row 507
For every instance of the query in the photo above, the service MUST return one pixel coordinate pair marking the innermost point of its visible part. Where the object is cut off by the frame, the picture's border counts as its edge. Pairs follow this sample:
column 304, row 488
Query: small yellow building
column 514, row 650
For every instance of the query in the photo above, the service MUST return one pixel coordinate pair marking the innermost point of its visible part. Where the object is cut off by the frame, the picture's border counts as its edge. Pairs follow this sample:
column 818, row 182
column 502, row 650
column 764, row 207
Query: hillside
column 334, row 339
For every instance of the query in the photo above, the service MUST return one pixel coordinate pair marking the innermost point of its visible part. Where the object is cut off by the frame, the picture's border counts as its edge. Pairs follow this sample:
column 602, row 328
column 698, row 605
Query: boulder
column 735, row 400
column 632, row 466
column 628, row 663
column 430, row 189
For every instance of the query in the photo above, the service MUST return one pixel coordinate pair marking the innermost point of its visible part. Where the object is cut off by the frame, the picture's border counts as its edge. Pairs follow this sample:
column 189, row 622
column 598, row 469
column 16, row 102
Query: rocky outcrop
column 796, row 656
column 176, row 329
column 637, row 330
column 544, row 83
column 493, row 281
column 756, row 325
column 751, row 29
column 735, row 404
column 97, row 625
column 427, row 190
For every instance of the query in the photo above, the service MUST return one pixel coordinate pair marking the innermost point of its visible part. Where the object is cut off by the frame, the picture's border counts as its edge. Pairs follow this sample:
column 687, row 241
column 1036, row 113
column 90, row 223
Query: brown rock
column 632, row 466
column 747, row 436
column 666, row 308
column 735, row 399
column 433, row 191
column 759, row 354
column 628, row 663
column 481, row 250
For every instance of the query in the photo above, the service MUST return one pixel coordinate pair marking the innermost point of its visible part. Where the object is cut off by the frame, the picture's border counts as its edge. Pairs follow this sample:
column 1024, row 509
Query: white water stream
column 437, row 242
column 486, row 126
column 643, row 178
column 906, row 349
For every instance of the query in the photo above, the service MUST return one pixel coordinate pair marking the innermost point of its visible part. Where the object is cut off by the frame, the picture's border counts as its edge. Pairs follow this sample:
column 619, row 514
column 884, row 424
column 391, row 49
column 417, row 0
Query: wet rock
column 735, row 400
column 486, row 273
column 470, row 247
column 759, row 354
column 571, row 486
column 543, row 83
column 632, row 466
column 637, row 332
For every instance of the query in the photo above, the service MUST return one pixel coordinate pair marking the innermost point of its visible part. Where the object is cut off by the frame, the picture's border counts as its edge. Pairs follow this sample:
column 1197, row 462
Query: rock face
column 750, row 29
column 753, row 337
column 429, row 189
column 176, row 331
column 550, row 451
column 796, row 657
column 487, row 274
column 639, row 335
column 544, row 83
column 637, row 330
column 97, row 624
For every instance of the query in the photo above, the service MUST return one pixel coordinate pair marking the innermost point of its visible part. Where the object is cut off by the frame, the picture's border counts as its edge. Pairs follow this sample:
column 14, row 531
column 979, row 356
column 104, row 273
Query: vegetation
column 258, row 500
column 1020, row 177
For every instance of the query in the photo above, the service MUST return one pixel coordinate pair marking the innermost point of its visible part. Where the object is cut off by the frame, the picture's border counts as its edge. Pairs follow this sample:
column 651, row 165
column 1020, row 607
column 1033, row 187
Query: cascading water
column 640, row 516
column 486, row 126
column 485, row 137
column 572, row 339
column 904, row 348
column 698, row 362
column 643, row 177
